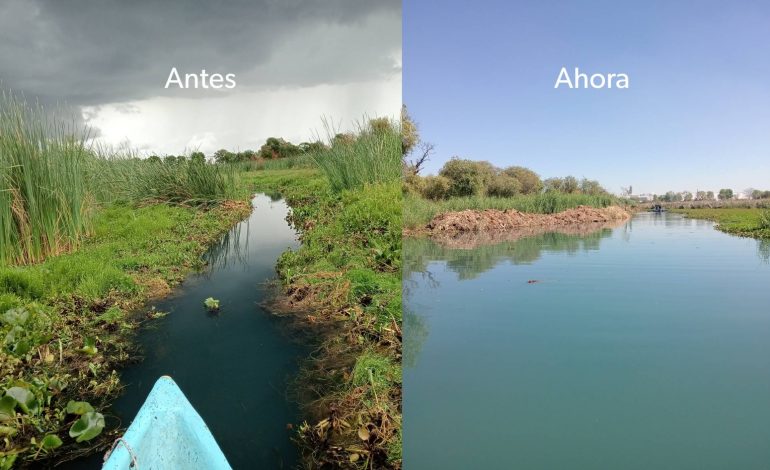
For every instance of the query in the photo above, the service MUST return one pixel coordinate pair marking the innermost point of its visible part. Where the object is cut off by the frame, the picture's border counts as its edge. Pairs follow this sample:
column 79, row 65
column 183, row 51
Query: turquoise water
column 646, row 346
column 235, row 366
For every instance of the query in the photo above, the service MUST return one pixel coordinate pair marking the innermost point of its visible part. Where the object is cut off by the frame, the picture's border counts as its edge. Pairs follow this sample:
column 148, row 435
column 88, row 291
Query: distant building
column 641, row 197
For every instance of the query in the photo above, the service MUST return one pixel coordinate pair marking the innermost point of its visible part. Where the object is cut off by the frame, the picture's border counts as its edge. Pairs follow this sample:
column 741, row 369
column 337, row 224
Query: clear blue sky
column 479, row 80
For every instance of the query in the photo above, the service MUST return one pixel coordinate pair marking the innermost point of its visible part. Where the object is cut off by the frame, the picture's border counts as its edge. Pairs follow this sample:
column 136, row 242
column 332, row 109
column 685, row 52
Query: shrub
column 435, row 187
column 503, row 186
column 467, row 177
column 529, row 181
column 414, row 184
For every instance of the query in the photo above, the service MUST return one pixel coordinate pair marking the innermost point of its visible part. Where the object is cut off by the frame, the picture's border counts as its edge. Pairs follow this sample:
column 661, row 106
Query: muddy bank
column 491, row 220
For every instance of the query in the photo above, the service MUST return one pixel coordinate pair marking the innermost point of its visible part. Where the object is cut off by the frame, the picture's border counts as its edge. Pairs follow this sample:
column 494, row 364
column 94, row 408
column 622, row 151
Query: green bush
column 467, row 177
column 529, row 181
column 436, row 187
column 503, row 186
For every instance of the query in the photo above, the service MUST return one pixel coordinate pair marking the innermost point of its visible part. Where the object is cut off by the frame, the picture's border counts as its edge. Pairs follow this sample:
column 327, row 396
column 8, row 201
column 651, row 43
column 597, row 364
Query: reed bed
column 52, row 179
column 286, row 163
column 45, row 205
column 369, row 156
column 116, row 177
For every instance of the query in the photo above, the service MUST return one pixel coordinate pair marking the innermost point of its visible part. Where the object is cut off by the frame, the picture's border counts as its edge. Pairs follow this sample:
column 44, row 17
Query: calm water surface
column 646, row 346
column 234, row 366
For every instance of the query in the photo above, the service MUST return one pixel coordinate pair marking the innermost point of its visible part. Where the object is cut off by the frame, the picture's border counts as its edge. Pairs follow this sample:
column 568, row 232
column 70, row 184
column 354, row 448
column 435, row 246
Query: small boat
column 167, row 433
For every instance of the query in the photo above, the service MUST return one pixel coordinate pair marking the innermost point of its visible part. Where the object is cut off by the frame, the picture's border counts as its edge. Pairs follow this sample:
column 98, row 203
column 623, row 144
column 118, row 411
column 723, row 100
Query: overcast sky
column 294, row 62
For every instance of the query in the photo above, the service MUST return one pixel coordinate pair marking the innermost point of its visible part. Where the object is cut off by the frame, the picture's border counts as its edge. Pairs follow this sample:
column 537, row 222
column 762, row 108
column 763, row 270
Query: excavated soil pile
column 507, row 220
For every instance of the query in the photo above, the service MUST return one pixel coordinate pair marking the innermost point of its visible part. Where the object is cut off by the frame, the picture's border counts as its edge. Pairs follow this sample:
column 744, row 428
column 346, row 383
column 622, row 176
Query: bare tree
column 423, row 155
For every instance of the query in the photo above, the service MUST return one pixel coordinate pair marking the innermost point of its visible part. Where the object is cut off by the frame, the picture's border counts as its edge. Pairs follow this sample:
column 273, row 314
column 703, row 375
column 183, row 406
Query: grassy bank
column 52, row 182
column 419, row 211
column 66, row 323
column 745, row 222
column 344, row 285
column 85, row 238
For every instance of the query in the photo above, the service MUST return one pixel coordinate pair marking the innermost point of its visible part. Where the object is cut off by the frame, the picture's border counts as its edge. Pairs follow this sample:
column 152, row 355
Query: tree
column 275, row 147
column 413, row 166
column 570, row 185
column 687, row 196
column 725, row 194
column 468, row 177
column 224, row 156
column 591, row 187
column 553, row 184
column 503, row 185
column 197, row 157
column 710, row 195
column 312, row 147
column 529, row 181
column 410, row 134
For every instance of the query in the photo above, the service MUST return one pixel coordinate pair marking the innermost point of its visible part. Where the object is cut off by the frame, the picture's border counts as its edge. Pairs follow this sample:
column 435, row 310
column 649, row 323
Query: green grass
column 746, row 222
column 372, row 156
column 419, row 211
column 84, row 297
column 52, row 182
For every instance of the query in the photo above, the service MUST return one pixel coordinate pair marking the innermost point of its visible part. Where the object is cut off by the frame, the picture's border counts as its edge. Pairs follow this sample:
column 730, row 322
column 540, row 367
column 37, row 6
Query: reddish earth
column 470, row 228
column 496, row 220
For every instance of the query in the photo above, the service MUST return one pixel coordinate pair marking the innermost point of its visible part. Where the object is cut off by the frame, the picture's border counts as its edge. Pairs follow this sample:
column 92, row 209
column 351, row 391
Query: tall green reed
column 44, row 201
column 370, row 155
column 52, row 179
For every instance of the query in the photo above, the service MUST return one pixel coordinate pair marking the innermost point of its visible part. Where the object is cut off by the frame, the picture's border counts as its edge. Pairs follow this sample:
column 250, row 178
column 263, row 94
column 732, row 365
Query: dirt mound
column 508, row 220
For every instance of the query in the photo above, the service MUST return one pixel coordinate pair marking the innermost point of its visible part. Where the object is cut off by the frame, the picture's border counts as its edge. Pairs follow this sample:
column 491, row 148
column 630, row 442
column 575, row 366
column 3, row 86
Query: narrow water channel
column 645, row 346
column 234, row 366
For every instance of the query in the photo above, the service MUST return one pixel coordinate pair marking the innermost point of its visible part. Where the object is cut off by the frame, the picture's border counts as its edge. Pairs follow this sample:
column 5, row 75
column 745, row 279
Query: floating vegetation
column 211, row 304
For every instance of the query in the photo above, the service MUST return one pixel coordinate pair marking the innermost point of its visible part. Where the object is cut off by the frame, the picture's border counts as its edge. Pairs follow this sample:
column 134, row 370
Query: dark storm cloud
column 88, row 52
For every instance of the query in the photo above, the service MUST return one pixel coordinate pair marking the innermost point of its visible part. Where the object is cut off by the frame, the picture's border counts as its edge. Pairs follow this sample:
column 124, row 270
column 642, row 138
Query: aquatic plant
column 371, row 155
column 44, row 201
column 211, row 304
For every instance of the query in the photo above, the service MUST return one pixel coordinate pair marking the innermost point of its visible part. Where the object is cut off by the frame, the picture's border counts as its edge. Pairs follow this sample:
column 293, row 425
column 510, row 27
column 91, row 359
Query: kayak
column 167, row 433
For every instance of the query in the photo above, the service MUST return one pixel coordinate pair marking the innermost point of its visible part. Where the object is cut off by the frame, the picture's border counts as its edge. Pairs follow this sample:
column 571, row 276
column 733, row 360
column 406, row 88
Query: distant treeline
column 722, row 195
column 274, row 148
column 468, row 178
column 464, row 178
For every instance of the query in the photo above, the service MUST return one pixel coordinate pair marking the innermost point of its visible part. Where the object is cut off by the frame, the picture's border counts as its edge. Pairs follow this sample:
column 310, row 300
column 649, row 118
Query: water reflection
column 661, row 323
column 231, row 248
column 469, row 260
column 763, row 250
